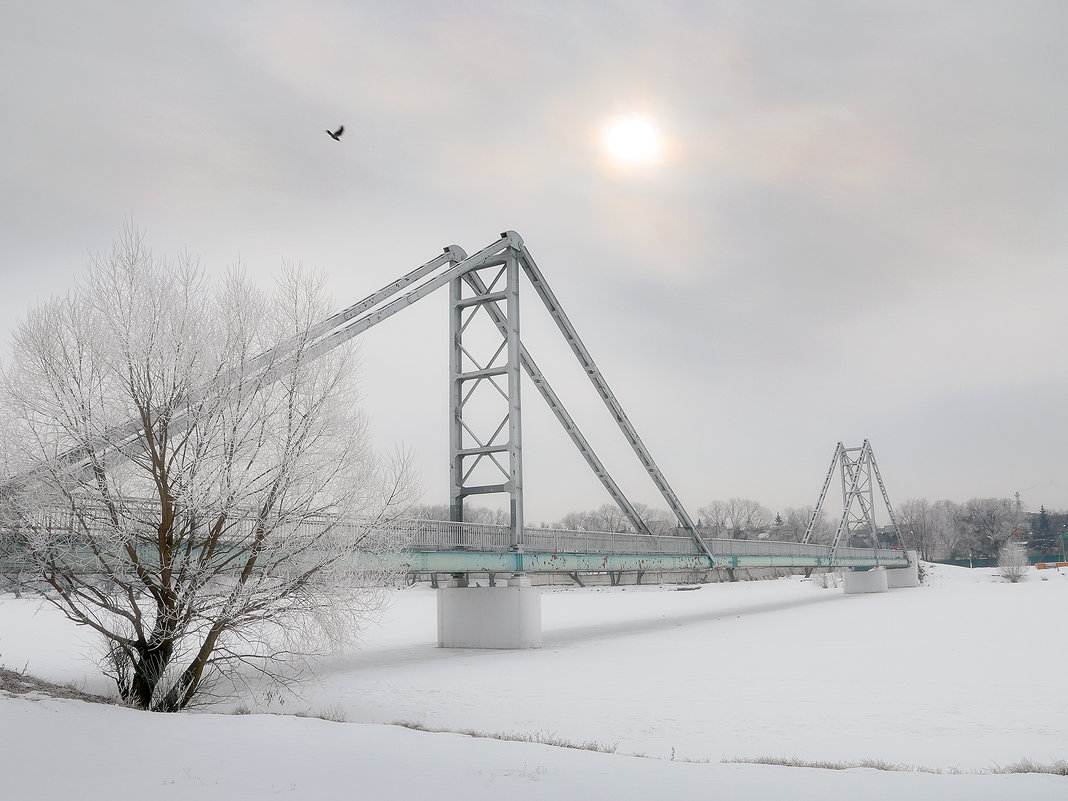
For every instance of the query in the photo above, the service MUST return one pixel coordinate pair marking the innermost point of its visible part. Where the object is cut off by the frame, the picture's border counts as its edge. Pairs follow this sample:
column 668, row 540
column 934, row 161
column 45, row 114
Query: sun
column 632, row 140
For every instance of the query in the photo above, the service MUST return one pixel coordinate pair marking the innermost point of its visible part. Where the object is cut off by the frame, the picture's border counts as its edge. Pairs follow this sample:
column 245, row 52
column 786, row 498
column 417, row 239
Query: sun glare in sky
column 632, row 140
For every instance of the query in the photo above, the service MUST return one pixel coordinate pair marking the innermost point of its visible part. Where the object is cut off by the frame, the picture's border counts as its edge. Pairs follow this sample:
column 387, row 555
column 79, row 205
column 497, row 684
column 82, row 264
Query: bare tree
column 795, row 525
column 485, row 514
column 751, row 518
column 738, row 518
column 660, row 522
column 576, row 521
column 607, row 517
column 1012, row 561
column 987, row 523
column 715, row 518
column 610, row 517
column 917, row 522
column 428, row 511
column 222, row 529
column 949, row 540
column 472, row 514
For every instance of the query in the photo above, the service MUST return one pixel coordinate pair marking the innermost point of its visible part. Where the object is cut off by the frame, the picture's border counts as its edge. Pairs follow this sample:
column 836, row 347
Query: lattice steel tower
column 858, row 506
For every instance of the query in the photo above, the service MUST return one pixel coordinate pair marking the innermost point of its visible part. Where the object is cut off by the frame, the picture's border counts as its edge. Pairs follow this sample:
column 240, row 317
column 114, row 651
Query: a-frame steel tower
column 857, row 465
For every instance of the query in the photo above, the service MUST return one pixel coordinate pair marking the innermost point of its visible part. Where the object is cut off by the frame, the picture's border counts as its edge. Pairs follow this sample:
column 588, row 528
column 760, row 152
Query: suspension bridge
column 487, row 361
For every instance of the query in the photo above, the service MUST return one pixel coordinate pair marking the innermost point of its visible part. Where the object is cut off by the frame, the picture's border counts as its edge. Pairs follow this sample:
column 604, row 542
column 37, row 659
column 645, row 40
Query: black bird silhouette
column 336, row 135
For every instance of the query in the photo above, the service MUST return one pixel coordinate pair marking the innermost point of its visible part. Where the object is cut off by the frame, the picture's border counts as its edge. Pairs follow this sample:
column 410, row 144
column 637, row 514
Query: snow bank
column 107, row 752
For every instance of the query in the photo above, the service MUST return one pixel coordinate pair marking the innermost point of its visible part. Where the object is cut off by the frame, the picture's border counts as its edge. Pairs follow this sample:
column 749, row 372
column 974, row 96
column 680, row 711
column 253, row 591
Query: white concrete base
column 857, row 581
column 490, row 617
column 905, row 576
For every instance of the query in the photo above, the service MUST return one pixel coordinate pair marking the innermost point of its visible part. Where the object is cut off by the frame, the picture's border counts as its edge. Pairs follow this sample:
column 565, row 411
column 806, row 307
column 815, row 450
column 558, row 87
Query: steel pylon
column 856, row 468
column 491, row 376
column 483, row 286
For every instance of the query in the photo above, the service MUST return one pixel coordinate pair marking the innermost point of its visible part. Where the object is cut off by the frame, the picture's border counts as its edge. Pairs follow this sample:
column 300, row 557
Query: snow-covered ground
column 964, row 674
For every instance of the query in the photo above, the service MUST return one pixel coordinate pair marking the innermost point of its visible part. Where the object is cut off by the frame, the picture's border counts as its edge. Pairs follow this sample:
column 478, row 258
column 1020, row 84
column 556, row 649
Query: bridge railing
column 550, row 540
column 444, row 535
column 725, row 547
column 845, row 552
column 436, row 535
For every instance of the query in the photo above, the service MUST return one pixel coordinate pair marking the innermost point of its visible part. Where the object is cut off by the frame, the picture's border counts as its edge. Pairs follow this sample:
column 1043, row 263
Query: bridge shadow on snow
column 557, row 637
column 623, row 628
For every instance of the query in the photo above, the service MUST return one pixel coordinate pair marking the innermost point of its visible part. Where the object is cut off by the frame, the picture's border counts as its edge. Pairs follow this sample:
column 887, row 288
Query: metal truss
column 858, row 507
column 471, row 442
column 554, row 402
column 255, row 373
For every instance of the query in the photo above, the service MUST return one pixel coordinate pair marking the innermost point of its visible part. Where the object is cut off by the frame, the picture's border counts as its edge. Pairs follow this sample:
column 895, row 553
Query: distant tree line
column 978, row 528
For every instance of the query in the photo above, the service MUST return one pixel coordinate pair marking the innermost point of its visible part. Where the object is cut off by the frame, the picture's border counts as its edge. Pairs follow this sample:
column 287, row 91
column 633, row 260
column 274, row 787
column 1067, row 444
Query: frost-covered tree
column 917, row 520
column 795, row 524
column 1012, row 561
column 607, row 517
column 987, row 523
column 660, row 522
column 737, row 518
column 715, row 519
column 196, row 503
column 948, row 540
column 472, row 514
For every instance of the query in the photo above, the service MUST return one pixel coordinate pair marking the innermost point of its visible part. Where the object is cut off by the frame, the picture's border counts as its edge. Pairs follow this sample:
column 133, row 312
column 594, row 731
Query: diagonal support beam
column 823, row 493
column 252, row 375
column 558, row 409
column 556, row 311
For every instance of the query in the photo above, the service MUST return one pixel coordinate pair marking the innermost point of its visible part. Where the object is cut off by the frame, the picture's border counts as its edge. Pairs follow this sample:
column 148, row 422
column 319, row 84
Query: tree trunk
column 148, row 669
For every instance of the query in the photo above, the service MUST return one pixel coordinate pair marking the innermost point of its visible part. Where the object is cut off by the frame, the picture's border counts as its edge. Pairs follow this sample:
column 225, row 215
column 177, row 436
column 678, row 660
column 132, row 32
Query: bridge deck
column 444, row 547
column 432, row 546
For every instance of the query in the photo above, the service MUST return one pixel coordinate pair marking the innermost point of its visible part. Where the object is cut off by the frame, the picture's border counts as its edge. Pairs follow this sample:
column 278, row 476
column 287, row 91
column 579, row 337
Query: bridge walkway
column 434, row 546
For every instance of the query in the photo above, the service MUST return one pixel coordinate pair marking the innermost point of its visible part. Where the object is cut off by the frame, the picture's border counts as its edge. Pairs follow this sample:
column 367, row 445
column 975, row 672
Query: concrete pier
column 905, row 576
column 490, row 617
column 858, row 581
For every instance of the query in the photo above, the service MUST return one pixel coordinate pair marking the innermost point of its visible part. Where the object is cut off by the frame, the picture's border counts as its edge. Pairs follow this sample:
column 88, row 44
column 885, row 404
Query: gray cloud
column 857, row 229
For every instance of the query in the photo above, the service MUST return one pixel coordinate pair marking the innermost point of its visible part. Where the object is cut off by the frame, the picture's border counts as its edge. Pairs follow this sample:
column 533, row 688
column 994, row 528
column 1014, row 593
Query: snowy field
column 962, row 675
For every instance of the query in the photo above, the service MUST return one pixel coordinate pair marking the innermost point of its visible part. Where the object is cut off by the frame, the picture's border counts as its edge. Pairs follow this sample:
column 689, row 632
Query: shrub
column 1012, row 562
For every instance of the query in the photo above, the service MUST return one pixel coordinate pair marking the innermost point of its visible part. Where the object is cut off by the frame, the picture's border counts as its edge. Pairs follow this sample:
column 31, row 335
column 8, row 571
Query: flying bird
column 336, row 135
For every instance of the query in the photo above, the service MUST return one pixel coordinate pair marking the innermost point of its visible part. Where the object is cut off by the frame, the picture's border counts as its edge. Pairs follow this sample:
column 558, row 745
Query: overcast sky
column 856, row 227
